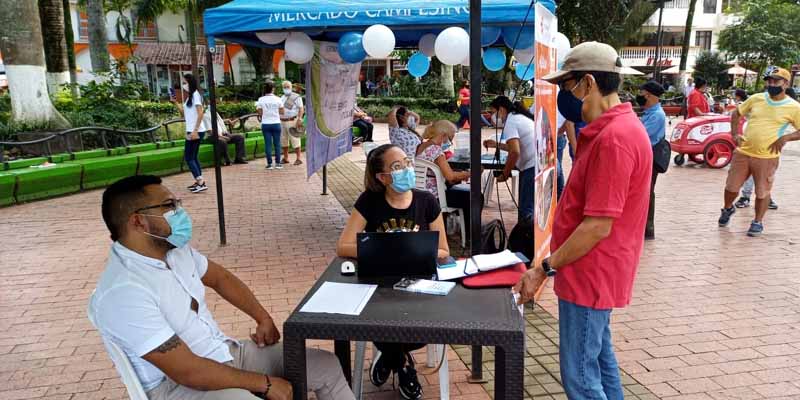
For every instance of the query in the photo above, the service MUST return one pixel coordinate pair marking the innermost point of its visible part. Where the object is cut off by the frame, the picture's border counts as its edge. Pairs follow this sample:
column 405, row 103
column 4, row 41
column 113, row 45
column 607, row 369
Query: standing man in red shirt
column 598, row 233
column 463, row 108
column 697, row 105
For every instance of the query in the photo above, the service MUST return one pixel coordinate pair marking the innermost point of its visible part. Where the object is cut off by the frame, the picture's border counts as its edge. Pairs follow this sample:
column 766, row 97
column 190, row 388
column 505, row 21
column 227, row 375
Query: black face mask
column 641, row 100
column 774, row 90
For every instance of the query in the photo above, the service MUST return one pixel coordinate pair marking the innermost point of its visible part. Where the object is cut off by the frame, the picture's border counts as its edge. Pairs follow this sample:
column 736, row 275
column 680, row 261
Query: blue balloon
column 494, row 59
column 489, row 35
column 350, row 48
column 525, row 71
column 418, row 65
column 525, row 34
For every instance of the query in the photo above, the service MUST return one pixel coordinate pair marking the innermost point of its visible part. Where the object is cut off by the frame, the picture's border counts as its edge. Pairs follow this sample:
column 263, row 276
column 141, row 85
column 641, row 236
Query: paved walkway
column 714, row 314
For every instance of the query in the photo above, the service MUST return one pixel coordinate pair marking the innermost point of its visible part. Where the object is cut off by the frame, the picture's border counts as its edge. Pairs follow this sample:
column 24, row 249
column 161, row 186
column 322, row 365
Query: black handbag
column 662, row 152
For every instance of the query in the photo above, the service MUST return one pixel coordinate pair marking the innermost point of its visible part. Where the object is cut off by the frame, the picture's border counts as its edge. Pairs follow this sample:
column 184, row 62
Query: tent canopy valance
column 239, row 20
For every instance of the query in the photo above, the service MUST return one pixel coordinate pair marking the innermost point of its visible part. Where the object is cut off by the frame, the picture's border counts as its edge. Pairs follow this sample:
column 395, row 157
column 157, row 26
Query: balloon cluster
column 451, row 47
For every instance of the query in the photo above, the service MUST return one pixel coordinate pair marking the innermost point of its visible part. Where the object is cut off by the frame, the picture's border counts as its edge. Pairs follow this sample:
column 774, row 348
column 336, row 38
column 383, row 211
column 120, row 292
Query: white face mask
column 185, row 87
column 287, row 90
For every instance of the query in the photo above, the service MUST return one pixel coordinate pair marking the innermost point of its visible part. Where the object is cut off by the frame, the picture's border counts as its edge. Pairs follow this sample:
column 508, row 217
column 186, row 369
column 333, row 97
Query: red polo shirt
column 610, row 178
column 697, row 99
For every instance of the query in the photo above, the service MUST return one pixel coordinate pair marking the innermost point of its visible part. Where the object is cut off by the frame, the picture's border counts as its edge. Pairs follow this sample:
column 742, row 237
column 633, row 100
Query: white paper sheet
column 339, row 298
column 488, row 262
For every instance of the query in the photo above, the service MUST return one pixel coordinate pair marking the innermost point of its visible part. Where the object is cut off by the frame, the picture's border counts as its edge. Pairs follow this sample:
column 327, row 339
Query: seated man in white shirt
column 150, row 301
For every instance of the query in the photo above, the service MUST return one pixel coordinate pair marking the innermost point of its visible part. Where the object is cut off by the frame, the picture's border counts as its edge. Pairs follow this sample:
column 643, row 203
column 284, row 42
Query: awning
column 174, row 54
column 239, row 20
column 737, row 70
column 674, row 70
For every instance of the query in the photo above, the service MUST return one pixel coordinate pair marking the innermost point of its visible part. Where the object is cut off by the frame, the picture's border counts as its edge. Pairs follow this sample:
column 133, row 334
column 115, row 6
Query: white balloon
column 561, row 43
column 378, row 41
column 272, row 37
column 452, row 46
column 524, row 56
column 299, row 48
column 427, row 45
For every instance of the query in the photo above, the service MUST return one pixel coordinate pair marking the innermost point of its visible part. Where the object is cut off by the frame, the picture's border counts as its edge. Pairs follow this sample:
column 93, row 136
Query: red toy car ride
column 706, row 140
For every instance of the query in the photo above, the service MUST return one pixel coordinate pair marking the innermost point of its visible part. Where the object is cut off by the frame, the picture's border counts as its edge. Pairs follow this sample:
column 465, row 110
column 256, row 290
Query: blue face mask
column 404, row 180
column 570, row 106
column 180, row 225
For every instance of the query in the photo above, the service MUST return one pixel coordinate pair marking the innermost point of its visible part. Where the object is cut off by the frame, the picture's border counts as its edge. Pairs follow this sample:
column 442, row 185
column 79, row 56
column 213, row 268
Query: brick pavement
column 714, row 313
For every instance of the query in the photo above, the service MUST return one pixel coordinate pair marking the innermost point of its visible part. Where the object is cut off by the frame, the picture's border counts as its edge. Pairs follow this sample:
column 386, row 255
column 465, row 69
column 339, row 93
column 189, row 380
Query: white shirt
column 292, row 112
column 521, row 127
column 270, row 106
column 688, row 89
column 190, row 113
column 139, row 303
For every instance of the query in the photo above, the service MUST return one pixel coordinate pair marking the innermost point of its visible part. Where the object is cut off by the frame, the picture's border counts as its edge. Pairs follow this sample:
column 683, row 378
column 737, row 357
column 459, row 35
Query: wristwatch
column 548, row 270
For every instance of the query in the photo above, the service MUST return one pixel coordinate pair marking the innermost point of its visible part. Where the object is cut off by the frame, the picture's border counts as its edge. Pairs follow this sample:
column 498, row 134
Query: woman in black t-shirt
column 391, row 204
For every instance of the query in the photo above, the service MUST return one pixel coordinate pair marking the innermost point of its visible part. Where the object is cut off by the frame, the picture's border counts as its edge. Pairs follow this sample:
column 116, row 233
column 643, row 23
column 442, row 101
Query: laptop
column 385, row 257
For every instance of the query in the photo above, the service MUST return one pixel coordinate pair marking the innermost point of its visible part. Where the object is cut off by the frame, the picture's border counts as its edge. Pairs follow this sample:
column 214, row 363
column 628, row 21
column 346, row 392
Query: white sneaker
column 200, row 188
column 279, row 166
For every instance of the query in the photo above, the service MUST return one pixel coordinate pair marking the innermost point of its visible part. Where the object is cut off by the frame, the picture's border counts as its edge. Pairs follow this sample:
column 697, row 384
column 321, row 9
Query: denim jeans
column 272, row 141
column 561, row 144
column 463, row 110
column 747, row 189
column 191, row 153
column 527, row 181
column 589, row 369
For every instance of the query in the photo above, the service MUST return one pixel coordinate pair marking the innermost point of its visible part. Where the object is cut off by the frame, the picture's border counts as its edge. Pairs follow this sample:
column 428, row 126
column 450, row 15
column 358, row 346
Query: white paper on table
column 339, row 298
column 457, row 272
column 488, row 262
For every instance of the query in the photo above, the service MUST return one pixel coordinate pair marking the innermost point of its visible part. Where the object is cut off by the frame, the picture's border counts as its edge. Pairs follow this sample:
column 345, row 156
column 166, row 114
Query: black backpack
column 493, row 237
column 521, row 238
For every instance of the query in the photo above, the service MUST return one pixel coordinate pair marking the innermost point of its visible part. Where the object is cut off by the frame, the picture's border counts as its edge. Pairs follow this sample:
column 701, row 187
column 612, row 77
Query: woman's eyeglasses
column 401, row 165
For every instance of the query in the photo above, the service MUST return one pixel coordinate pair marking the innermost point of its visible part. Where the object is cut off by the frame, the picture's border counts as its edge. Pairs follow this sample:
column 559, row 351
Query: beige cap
column 591, row 56
column 778, row 73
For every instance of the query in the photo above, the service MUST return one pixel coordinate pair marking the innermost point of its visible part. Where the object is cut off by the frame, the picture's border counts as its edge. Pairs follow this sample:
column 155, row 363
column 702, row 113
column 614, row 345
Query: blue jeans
column 463, row 110
column 272, row 140
column 191, row 153
column 589, row 368
column 527, row 181
column 561, row 144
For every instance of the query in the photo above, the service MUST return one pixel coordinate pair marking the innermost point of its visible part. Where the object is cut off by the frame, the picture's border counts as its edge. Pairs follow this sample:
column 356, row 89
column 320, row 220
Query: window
column 83, row 26
column 147, row 30
column 709, row 6
column 247, row 73
column 703, row 39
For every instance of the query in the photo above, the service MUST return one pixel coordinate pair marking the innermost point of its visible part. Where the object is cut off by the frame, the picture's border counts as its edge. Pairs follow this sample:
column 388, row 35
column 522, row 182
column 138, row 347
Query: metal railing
column 109, row 137
column 647, row 52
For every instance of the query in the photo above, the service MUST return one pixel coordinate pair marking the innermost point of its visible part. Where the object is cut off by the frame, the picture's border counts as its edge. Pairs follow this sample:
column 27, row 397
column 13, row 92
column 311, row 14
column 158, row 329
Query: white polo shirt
column 139, row 303
column 521, row 127
column 295, row 108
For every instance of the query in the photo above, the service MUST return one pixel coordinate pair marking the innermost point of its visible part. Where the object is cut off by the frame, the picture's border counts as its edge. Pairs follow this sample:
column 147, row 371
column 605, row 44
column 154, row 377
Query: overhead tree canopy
column 613, row 22
column 768, row 33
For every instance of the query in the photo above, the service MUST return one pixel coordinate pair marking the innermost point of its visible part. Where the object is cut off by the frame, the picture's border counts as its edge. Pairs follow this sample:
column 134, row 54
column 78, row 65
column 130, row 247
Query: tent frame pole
column 212, row 97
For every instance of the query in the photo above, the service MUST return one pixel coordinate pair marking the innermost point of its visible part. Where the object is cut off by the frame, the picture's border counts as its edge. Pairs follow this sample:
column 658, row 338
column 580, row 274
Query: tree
column 51, row 14
column 21, row 46
column 711, row 66
column 767, row 33
column 613, row 22
column 687, row 35
column 69, row 40
column 98, row 42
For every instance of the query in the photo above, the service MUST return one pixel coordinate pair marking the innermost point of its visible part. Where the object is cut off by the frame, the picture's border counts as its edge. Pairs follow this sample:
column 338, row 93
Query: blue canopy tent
column 326, row 20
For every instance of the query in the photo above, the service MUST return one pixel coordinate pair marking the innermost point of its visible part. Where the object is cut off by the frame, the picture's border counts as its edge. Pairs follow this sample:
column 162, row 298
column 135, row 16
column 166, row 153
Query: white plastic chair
column 121, row 362
column 421, row 167
column 434, row 353
column 489, row 182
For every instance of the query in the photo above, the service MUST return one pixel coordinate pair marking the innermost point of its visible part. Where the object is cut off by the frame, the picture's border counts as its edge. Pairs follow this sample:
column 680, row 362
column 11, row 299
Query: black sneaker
column 192, row 186
column 409, row 385
column 773, row 205
column 200, row 188
column 239, row 161
column 725, row 216
column 743, row 202
column 379, row 372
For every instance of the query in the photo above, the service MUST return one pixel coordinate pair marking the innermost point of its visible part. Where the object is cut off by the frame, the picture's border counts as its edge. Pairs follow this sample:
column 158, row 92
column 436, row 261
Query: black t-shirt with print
column 382, row 217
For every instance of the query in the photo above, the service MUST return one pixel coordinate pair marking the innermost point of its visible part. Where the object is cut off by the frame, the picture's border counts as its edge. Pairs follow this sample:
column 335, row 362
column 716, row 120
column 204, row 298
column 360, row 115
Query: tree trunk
column 687, row 35
column 69, row 39
column 261, row 58
column 98, row 39
column 447, row 80
column 21, row 46
column 190, row 31
column 51, row 14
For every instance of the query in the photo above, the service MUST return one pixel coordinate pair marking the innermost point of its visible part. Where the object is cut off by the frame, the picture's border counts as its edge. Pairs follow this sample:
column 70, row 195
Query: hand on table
column 530, row 282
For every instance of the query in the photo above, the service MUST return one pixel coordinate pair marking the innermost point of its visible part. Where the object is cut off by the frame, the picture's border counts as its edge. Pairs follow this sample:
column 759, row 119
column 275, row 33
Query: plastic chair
column 421, row 167
column 434, row 352
column 121, row 362
column 488, row 183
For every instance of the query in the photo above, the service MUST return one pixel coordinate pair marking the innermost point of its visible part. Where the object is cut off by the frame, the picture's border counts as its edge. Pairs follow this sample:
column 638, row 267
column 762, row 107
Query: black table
column 462, row 163
column 485, row 317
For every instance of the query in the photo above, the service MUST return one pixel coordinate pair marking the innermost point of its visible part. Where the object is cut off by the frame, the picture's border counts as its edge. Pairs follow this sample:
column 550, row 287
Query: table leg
column 509, row 372
column 342, row 350
column 294, row 362
column 476, row 375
